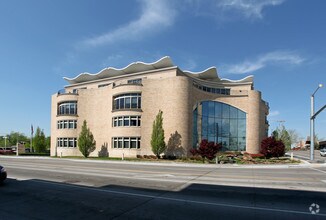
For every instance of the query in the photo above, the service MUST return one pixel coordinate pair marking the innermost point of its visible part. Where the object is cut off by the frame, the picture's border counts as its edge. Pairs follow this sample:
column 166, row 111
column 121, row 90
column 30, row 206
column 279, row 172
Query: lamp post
column 312, row 123
column 5, row 137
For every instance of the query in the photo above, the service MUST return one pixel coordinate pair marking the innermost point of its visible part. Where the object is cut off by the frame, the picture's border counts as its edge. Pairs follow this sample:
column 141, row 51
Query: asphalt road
column 305, row 155
column 60, row 188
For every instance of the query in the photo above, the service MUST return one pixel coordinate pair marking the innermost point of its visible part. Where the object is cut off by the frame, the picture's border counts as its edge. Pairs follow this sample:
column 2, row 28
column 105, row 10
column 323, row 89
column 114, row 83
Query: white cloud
column 156, row 15
column 273, row 113
column 272, row 58
column 249, row 8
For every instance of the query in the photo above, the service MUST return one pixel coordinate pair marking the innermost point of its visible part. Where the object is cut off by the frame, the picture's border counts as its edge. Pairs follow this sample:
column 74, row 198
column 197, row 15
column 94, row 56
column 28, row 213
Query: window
column 103, row 85
column 127, row 101
column 134, row 81
column 67, row 142
column 222, row 91
column 126, row 121
column 126, row 142
column 220, row 123
column 67, row 108
column 67, row 124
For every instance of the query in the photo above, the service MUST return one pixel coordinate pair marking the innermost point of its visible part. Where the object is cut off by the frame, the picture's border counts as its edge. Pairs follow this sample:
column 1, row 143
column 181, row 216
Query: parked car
column 3, row 174
column 323, row 152
column 6, row 151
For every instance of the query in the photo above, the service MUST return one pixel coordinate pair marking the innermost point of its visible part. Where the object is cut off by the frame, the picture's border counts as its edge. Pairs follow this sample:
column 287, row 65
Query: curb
column 303, row 164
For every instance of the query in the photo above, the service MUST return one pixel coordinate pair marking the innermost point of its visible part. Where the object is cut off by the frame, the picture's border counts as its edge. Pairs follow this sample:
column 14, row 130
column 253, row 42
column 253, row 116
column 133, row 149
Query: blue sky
column 281, row 42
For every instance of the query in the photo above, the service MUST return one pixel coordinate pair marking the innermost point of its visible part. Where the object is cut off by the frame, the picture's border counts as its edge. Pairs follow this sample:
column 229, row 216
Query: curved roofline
column 209, row 75
column 131, row 68
column 248, row 79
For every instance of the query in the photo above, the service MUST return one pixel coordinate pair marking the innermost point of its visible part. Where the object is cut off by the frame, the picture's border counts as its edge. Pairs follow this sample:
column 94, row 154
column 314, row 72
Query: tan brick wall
column 168, row 91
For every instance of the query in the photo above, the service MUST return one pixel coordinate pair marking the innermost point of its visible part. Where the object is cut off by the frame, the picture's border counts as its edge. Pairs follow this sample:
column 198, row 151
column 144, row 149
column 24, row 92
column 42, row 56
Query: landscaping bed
column 222, row 158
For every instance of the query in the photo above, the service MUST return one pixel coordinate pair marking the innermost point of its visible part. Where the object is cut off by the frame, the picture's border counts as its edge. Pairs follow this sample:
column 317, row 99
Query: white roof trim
column 210, row 74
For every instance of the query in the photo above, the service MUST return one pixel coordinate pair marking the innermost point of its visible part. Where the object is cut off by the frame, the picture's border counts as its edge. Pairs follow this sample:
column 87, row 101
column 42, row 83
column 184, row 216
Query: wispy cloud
column 155, row 16
column 272, row 58
column 248, row 8
column 229, row 10
column 273, row 113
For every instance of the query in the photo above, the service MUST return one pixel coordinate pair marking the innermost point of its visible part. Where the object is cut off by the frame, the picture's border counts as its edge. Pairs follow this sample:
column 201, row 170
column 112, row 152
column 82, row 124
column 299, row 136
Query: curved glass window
column 222, row 91
column 127, row 101
column 220, row 123
column 67, row 108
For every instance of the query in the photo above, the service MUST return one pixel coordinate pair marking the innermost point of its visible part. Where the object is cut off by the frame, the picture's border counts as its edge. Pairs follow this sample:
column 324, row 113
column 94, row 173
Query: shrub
column 270, row 147
column 206, row 150
column 169, row 157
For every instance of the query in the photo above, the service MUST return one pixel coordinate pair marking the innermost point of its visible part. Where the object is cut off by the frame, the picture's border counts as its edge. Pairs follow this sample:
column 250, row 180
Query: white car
column 323, row 152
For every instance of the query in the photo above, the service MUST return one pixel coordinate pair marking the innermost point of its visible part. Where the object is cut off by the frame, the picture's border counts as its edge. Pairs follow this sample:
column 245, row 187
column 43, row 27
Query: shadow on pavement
column 39, row 199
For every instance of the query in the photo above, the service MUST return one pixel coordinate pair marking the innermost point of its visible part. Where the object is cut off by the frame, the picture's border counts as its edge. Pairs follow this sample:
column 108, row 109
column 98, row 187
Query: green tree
column 86, row 142
column 39, row 141
column 48, row 142
column 15, row 137
column 282, row 134
column 157, row 141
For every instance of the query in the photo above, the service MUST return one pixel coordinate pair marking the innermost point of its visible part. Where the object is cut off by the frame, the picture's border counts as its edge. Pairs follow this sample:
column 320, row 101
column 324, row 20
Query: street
column 305, row 155
column 48, row 188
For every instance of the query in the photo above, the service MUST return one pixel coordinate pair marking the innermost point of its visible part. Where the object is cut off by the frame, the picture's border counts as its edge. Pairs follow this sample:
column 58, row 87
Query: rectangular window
column 65, row 142
column 120, row 139
column 133, row 142
column 134, row 81
column 71, row 124
column 120, row 121
column 126, row 142
column 127, row 102
column 122, row 103
column 126, row 121
column 115, row 142
column 65, row 124
column 71, row 142
column 133, row 121
column 134, row 102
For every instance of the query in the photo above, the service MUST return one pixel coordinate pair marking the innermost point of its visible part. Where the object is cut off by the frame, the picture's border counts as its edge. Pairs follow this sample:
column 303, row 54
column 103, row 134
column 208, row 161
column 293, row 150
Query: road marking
column 318, row 170
column 182, row 200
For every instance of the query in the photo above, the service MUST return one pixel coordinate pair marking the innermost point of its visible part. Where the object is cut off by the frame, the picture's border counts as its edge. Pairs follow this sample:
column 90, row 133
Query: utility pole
column 312, row 123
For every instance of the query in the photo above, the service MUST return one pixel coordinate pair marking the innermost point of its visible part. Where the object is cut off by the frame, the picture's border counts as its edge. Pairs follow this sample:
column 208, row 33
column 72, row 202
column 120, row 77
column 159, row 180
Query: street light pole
column 312, row 123
column 5, row 137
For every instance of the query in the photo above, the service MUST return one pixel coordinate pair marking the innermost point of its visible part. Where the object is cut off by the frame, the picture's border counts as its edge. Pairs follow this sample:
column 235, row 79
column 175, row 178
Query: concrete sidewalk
column 303, row 164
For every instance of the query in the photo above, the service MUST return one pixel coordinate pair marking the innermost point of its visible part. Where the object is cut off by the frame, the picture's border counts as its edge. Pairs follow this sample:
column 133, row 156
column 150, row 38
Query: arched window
column 67, row 108
column 127, row 101
column 220, row 123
